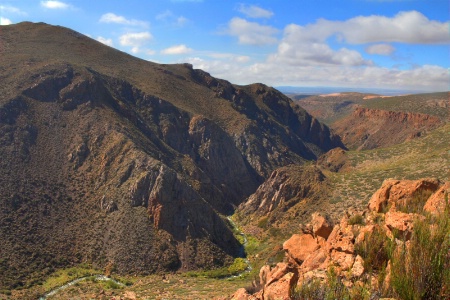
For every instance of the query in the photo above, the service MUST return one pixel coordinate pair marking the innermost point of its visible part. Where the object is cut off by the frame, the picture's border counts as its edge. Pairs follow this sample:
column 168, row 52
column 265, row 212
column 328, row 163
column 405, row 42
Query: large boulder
column 394, row 192
column 300, row 246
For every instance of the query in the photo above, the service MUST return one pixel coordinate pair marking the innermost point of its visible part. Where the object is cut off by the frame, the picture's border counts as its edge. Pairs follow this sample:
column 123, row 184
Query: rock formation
column 311, row 254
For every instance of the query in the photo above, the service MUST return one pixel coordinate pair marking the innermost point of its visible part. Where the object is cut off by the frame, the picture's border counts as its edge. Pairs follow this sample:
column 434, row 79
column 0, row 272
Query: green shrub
column 356, row 220
column 422, row 271
column 375, row 249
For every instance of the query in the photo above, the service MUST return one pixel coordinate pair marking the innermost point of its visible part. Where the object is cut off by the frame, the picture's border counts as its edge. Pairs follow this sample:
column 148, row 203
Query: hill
column 126, row 164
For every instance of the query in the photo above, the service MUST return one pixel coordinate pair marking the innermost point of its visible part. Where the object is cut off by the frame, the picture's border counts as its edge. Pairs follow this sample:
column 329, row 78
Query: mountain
column 118, row 162
column 367, row 121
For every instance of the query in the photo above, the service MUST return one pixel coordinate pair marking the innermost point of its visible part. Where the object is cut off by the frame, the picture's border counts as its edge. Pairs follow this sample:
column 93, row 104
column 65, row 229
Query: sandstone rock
column 281, row 289
column 263, row 273
column 321, row 226
column 395, row 191
column 277, row 272
column 299, row 246
column 358, row 267
column 342, row 238
column 436, row 203
column 241, row 294
column 401, row 222
column 343, row 260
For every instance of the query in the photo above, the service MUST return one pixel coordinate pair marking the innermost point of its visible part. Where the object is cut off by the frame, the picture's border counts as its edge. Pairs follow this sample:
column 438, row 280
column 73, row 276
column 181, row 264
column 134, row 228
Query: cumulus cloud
column 5, row 21
column 252, row 33
column 108, row 42
column 253, row 11
column 113, row 18
column 380, row 49
column 177, row 49
column 135, row 40
column 410, row 27
column 55, row 5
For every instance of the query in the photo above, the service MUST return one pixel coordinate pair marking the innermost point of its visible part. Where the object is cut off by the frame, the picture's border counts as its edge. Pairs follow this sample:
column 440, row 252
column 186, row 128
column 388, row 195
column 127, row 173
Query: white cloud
column 108, row 42
column 178, row 49
column 5, row 21
column 425, row 78
column 380, row 49
column 406, row 27
column 113, row 18
column 12, row 9
column 135, row 39
column 168, row 16
column 253, row 11
column 55, row 5
column 297, row 48
column 251, row 33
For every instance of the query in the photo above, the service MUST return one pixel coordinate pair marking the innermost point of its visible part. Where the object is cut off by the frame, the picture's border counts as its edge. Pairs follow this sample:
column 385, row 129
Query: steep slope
column 111, row 160
column 373, row 128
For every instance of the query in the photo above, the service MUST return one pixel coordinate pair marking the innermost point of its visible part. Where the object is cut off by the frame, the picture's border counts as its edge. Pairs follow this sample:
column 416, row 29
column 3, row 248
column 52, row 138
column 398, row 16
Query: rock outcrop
column 311, row 254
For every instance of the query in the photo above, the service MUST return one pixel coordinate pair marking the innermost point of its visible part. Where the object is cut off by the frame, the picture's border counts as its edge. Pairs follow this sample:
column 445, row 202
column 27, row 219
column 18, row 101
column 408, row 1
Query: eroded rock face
column 369, row 128
column 310, row 257
column 436, row 203
column 284, row 188
column 395, row 191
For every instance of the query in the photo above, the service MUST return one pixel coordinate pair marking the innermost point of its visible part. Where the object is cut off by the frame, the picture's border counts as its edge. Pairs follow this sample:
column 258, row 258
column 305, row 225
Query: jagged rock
column 282, row 288
column 436, row 203
column 300, row 246
column 401, row 222
column 321, row 225
column 342, row 238
column 395, row 191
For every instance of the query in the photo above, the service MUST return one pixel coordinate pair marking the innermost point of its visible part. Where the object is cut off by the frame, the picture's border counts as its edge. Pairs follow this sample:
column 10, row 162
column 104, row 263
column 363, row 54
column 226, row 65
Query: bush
column 422, row 270
column 356, row 220
column 375, row 250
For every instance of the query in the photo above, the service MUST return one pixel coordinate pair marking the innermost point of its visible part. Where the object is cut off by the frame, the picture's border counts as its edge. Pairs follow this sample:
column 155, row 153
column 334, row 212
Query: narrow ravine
column 242, row 250
column 98, row 277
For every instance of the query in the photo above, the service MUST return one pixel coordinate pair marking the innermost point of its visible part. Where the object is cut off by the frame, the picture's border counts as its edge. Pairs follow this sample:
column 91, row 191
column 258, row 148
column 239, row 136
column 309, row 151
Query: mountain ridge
column 114, row 161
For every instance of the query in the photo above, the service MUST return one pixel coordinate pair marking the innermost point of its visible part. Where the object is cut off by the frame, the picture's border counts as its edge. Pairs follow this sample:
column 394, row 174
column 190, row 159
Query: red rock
column 241, row 294
column 342, row 259
column 436, row 203
column 358, row 267
column 281, row 289
column 402, row 222
column 396, row 191
column 299, row 246
column 342, row 238
column 320, row 225
column 315, row 260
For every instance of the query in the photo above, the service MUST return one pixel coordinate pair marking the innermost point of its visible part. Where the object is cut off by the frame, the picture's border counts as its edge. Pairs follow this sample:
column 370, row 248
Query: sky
column 375, row 44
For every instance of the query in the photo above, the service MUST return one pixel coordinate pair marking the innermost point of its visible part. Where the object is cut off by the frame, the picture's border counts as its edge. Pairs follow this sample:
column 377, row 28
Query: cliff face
column 107, row 159
column 372, row 128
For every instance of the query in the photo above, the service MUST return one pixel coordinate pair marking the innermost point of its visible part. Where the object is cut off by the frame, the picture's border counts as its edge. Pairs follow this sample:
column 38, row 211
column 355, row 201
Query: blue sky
column 380, row 44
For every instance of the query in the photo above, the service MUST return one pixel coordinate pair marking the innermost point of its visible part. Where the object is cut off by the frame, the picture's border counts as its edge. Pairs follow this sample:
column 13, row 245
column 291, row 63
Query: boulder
column 281, row 289
column 396, row 191
column 321, row 226
column 358, row 267
column 436, row 203
column 299, row 246
column 402, row 222
column 342, row 238
column 242, row 294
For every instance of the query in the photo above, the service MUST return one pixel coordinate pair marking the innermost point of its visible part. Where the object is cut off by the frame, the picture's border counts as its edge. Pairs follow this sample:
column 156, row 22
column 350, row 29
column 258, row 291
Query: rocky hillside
column 397, row 248
column 367, row 121
column 369, row 128
column 115, row 161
